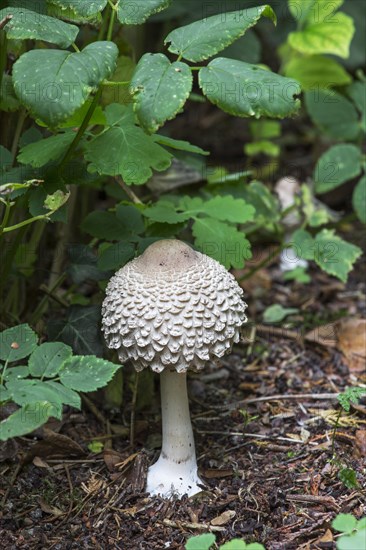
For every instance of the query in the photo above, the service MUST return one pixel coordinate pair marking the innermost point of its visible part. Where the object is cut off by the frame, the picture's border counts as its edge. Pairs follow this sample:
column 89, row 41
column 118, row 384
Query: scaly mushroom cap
column 172, row 307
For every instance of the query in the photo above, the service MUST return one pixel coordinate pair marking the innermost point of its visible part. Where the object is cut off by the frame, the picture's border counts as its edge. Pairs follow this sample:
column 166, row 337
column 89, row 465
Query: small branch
column 195, row 526
column 278, row 397
column 5, row 20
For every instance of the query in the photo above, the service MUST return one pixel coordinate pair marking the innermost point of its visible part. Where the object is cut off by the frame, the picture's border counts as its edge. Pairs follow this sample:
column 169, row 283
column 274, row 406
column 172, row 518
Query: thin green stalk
column 111, row 83
column 8, row 207
column 81, row 130
column 18, row 130
column 75, row 47
column 111, row 21
column 24, row 223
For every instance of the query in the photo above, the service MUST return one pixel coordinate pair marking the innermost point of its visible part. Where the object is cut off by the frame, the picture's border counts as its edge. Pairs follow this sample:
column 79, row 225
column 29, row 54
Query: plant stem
column 18, row 130
column 111, row 21
column 75, row 47
column 112, row 83
column 81, row 130
column 266, row 261
column 128, row 191
column 42, row 306
column 6, row 216
column 24, row 223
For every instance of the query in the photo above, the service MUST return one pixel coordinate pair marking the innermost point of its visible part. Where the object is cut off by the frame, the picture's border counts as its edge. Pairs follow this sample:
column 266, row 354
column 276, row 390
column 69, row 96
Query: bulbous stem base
column 175, row 472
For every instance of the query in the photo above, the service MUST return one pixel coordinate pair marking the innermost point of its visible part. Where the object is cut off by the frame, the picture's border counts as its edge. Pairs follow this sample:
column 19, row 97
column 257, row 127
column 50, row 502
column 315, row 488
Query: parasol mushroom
column 173, row 309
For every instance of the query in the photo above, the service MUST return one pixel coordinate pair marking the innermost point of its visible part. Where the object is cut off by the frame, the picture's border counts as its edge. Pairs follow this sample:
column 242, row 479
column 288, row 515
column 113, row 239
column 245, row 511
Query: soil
column 268, row 449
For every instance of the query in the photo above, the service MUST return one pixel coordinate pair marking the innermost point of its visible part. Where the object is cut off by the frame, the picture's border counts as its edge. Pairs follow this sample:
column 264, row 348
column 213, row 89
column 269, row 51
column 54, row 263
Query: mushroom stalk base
column 175, row 472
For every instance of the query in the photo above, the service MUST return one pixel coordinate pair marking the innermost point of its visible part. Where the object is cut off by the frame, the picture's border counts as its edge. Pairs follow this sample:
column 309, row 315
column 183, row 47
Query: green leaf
column 350, row 395
column 317, row 71
column 17, row 372
column 105, row 225
column 334, row 114
column 131, row 217
column 47, row 359
column 356, row 541
column 336, row 166
column 8, row 100
column 205, row 38
column 359, row 199
column 298, row 274
column 179, row 144
column 332, row 37
column 334, row 255
column 124, row 149
column 17, row 342
column 348, row 478
column 28, row 391
column 264, row 129
column 277, row 313
column 254, row 546
column 87, row 373
column 221, row 241
column 313, row 11
column 223, row 208
column 41, row 152
column 200, row 542
column 78, row 116
column 5, row 395
column 357, row 92
column 80, row 330
column 85, row 8
column 116, row 255
column 265, row 203
column 165, row 212
column 247, row 48
column 246, row 90
column 135, row 12
column 25, row 420
column 83, row 264
column 235, row 544
column 53, row 84
column 345, row 523
column 303, row 244
column 263, row 147
column 160, row 98
column 26, row 24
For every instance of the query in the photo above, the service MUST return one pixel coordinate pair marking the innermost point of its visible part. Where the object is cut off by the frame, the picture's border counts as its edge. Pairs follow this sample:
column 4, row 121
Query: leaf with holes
column 205, row 38
column 245, row 90
column 47, row 359
column 87, row 373
column 17, row 342
column 26, row 24
column 53, row 84
column 124, row 149
column 160, row 98
column 135, row 12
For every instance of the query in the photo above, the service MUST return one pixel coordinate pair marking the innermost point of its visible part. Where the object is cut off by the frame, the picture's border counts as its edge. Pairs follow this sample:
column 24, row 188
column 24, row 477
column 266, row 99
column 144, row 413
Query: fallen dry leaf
column 351, row 335
column 324, row 335
column 54, row 445
column 48, row 509
column 360, row 444
column 224, row 518
column 212, row 474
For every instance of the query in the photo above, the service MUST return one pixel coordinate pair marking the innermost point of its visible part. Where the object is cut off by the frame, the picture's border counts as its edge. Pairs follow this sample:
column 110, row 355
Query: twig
column 278, row 397
column 131, row 195
column 133, row 410
column 315, row 499
column 187, row 525
column 89, row 403
column 11, row 483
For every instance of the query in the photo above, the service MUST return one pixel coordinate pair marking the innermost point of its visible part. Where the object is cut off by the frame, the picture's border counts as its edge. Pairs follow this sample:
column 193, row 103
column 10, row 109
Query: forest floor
column 267, row 448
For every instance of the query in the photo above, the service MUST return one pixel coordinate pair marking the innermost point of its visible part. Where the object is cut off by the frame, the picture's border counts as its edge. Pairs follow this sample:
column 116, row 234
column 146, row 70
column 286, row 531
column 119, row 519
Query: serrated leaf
column 333, row 113
column 25, row 420
column 124, row 149
column 47, row 359
column 17, row 342
column 56, row 200
column 28, row 391
column 66, row 395
column 205, row 38
column 80, row 330
column 223, row 208
column 26, row 24
column 221, row 241
column 257, row 92
column 317, row 71
column 334, row 255
column 83, row 264
column 53, row 84
column 313, row 11
column 359, row 199
column 45, row 150
column 303, row 244
column 336, row 166
column 159, row 99
column 350, row 395
column 200, row 542
column 135, row 12
column 131, row 217
column 123, row 73
column 85, row 8
column 78, row 116
column 87, row 373
column 265, row 203
column 116, row 255
column 332, row 37
column 165, row 212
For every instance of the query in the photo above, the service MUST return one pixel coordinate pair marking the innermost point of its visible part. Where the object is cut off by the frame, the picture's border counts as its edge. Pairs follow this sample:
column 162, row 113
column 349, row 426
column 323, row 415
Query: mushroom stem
column 175, row 472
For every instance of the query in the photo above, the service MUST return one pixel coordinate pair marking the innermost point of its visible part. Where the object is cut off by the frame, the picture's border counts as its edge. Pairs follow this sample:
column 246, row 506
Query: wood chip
column 224, row 518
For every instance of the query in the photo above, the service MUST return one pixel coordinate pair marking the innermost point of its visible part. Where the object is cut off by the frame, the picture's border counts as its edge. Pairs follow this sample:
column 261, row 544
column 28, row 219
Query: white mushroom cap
column 172, row 307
